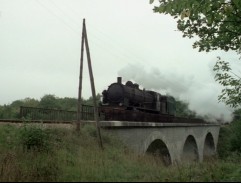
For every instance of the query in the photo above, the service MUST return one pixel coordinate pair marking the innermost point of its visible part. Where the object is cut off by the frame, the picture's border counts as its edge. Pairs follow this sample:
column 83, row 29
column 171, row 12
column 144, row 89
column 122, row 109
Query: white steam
column 202, row 96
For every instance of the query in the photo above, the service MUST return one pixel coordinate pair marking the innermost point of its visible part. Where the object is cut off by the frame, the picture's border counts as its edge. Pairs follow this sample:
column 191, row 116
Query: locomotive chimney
column 119, row 80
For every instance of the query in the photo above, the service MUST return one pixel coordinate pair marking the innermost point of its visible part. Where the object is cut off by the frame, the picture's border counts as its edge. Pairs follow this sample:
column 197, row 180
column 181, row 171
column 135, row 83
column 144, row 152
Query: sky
column 40, row 43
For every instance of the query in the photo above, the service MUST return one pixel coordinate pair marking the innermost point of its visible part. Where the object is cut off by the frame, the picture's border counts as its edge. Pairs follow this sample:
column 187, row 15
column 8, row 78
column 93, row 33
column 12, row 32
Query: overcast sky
column 40, row 43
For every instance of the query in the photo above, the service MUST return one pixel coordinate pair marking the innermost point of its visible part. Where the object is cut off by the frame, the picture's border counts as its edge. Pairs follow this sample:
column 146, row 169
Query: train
column 127, row 102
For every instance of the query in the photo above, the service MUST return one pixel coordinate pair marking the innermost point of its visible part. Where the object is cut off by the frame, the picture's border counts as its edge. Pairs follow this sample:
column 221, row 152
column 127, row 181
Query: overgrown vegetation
column 31, row 152
column 230, row 140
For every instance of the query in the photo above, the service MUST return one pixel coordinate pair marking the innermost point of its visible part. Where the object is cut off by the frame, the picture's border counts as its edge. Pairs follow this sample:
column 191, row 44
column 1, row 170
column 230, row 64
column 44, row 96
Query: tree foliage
column 231, row 94
column 217, row 25
column 49, row 101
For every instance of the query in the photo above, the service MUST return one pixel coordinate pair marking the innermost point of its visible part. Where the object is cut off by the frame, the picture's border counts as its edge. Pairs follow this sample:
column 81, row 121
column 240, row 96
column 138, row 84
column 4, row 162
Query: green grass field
column 34, row 153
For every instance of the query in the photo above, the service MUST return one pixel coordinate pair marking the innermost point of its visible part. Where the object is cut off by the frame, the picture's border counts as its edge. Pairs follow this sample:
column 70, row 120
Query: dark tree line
column 11, row 111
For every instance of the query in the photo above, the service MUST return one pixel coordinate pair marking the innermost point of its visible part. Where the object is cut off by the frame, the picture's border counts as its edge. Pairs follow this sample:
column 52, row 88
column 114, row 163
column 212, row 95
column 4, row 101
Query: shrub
column 223, row 146
column 235, row 138
column 34, row 137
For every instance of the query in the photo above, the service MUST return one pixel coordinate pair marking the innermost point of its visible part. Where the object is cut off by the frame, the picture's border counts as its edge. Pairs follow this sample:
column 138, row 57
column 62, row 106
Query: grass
column 63, row 155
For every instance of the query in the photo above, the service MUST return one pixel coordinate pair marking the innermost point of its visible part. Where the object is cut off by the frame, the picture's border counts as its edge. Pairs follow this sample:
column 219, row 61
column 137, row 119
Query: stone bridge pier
column 174, row 142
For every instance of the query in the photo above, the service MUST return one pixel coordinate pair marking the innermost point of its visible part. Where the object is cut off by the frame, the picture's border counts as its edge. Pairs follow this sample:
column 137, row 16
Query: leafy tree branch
column 217, row 24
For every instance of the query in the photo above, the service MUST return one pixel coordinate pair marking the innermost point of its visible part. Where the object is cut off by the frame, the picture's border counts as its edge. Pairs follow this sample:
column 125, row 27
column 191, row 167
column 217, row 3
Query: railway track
column 34, row 121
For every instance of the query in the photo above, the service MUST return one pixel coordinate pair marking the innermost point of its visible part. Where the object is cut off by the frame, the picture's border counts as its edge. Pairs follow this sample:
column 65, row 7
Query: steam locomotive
column 127, row 102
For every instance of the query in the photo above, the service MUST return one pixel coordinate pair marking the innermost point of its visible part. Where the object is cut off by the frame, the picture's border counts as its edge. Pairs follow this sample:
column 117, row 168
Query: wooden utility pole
column 79, row 111
column 96, row 112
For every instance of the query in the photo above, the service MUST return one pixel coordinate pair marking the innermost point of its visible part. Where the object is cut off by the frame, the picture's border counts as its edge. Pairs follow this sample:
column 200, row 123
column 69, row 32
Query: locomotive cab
column 168, row 105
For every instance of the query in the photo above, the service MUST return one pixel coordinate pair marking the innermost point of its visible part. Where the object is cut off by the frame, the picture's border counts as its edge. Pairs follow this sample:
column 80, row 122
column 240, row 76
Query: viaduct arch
column 174, row 143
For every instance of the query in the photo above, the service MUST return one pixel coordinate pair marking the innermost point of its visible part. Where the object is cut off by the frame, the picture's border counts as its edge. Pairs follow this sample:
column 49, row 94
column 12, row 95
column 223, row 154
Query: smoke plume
column 202, row 96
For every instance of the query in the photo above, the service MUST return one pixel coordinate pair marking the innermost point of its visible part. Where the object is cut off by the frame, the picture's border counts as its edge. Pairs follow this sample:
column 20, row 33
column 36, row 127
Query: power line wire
column 125, row 54
column 60, row 19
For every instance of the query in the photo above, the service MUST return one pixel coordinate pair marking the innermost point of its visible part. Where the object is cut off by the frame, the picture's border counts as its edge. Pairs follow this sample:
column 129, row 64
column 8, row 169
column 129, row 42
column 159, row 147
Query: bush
column 223, row 146
column 229, row 139
column 34, row 137
column 235, row 137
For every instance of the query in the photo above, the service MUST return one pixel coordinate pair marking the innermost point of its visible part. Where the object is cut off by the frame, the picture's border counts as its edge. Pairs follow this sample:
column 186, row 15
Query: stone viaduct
column 175, row 142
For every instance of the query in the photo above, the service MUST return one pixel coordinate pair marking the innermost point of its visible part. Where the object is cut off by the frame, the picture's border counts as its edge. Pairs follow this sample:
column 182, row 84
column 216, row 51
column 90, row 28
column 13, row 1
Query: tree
column 68, row 103
column 231, row 94
column 217, row 25
column 49, row 101
column 90, row 100
column 30, row 102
